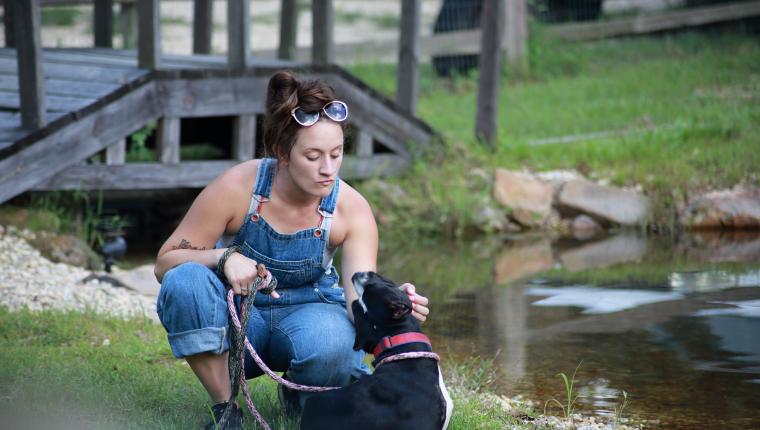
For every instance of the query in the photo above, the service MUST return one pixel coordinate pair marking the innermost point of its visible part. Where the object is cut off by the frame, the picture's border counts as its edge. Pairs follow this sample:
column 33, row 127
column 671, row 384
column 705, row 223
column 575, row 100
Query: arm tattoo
column 185, row 244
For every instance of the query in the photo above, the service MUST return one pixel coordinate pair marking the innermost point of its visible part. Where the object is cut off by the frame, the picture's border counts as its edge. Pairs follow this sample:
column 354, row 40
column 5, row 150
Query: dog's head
column 382, row 310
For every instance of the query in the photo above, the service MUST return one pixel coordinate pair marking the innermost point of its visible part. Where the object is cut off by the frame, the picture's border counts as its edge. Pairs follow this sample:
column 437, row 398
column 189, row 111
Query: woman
column 290, row 213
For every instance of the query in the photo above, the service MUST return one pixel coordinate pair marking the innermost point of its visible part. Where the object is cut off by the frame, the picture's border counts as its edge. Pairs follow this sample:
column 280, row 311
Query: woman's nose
column 327, row 167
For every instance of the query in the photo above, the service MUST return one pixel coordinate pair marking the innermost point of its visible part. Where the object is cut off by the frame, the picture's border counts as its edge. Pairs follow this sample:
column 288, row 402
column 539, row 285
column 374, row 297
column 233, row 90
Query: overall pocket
column 288, row 273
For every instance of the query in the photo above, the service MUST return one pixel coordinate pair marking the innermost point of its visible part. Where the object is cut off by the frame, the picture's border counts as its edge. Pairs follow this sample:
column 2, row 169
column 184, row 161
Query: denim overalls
column 306, row 331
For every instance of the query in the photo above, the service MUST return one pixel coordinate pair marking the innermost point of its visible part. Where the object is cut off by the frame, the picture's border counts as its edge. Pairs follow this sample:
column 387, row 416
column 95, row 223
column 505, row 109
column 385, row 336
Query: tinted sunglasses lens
column 336, row 111
column 305, row 118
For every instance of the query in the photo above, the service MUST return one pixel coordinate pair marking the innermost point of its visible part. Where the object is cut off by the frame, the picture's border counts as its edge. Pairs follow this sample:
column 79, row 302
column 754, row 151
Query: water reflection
column 675, row 323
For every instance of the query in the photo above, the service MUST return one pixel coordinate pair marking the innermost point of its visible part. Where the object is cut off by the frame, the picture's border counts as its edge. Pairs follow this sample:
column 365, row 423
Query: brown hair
column 285, row 92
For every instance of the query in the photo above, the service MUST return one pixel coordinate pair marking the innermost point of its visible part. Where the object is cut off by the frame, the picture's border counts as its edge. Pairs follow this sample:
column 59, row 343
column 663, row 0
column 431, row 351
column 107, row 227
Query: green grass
column 89, row 371
column 680, row 113
column 60, row 16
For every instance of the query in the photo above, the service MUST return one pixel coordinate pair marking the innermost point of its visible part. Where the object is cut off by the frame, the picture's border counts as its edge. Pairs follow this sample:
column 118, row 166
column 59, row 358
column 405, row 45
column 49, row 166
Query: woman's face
column 316, row 157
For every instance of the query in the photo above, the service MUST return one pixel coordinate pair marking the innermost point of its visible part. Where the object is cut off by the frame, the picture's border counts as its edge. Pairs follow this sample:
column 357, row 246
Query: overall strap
column 263, row 186
column 327, row 206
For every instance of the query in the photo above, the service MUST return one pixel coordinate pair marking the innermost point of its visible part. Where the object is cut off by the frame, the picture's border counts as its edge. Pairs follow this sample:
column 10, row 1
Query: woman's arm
column 205, row 222
column 360, row 254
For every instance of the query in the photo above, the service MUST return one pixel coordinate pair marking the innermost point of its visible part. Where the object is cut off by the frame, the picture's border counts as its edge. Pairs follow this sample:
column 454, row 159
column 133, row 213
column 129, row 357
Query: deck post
column 244, row 138
column 116, row 153
column 149, row 34
column 516, row 35
column 102, row 18
column 128, row 23
column 364, row 142
column 238, row 34
column 203, row 24
column 10, row 33
column 288, row 30
column 322, row 49
column 167, row 140
column 492, row 24
column 31, row 78
column 407, row 77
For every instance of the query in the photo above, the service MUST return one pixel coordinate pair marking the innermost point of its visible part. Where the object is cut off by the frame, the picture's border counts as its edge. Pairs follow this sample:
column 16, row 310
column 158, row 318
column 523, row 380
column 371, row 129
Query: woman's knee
column 188, row 285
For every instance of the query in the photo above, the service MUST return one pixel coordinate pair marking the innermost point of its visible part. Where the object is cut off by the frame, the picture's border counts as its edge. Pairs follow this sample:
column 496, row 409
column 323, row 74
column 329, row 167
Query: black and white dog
column 402, row 394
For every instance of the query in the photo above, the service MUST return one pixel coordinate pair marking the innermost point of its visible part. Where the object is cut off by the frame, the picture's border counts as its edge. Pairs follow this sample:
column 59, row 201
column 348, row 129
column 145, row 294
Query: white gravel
column 30, row 280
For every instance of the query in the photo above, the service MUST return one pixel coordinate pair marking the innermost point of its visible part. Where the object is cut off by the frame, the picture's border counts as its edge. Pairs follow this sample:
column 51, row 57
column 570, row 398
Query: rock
column 141, row 279
column 529, row 199
column 64, row 248
column 617, row 249
column 609, row 203
column 738, row 208
column 388, row 194
column 489, row 219
column 584, row 227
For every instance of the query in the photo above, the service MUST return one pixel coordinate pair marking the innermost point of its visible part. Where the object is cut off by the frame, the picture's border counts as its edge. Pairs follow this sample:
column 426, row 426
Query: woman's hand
column 419, row 303
column 241, row 271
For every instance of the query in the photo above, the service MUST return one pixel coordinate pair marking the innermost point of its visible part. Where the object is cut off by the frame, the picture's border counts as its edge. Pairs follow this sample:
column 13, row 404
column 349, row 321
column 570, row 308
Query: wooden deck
column 96, row 97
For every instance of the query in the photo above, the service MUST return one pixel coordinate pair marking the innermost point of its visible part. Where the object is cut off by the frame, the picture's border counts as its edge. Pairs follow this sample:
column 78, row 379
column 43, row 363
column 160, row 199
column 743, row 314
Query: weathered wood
column 138, row 176
column 167, row 140
column 69, row 145
column 203, row 26
column 288, row 30
column 323, row 21
column 244, row 137
column 58, row 87
column 516, row 35
column 492, row 23
column 192, row 174
column 78, row 72
column 11, row 100
column 407, row 77
column 8, row 24
column 665, row 20
column 102, row 18
column 238, row 34
column 149, row 34
column 363, row 142
column 128, row 23
column 29, row 65
column 116, row 154
column 214, row 96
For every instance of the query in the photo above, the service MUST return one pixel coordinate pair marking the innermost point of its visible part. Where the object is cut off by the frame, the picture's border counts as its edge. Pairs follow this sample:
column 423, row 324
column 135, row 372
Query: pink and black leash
column 266, row 284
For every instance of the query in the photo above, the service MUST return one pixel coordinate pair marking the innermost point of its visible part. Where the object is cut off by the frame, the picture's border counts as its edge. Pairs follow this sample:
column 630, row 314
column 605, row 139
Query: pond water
column 674, row 323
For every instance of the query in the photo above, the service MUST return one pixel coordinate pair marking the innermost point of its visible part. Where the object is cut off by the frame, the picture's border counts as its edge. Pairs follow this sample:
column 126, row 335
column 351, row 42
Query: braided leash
column 266, row 283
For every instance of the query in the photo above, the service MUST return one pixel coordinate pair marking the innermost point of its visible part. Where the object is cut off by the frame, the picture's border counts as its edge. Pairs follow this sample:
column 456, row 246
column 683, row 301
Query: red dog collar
column 399, row 339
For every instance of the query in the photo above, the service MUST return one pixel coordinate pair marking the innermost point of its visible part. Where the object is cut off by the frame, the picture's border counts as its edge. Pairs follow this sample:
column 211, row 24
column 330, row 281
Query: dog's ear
column 400, row 309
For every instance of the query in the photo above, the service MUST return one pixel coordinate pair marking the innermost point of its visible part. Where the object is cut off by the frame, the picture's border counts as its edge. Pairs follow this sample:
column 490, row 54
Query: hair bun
column 282, row 92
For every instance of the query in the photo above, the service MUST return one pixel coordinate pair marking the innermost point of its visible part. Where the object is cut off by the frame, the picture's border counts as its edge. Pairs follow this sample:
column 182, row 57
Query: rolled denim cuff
column 191, row 342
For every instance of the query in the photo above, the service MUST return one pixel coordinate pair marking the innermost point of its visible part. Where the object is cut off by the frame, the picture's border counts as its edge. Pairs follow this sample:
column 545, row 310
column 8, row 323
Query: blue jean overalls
column 306, row 331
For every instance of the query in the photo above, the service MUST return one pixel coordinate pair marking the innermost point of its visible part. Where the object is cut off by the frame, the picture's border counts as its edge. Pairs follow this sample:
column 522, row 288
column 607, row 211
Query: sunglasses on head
column 335, row 110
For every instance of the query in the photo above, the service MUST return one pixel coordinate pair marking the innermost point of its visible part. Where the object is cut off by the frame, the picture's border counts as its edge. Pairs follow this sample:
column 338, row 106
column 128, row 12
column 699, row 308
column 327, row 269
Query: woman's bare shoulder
column 353, row 205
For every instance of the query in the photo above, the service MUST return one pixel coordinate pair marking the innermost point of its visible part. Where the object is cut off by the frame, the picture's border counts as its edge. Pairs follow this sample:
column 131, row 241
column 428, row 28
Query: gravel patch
column 31, row 281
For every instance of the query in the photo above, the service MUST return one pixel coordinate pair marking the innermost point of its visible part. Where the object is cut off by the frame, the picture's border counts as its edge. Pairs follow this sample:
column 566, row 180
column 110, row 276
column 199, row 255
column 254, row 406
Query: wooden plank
column 9, row 27
column 407, row 76
column 244, row 137
column 238, row 34
column 214, row 96
column 364, row 142
column 149, row 34
column 322, row 32
column 516, row 35
column 376, row 165
column 192, row 174
column 103, row 23
column 11, row 100
column 60, row 70
column 29, row 65
column 58, row 87
column 492, row 21
column 665, row 20
column 66, row 57
column 167, row 140
column 116, row 154
column 203, row 25
column 69, row 145
column 288, row 30
column 138, row 176
column 128, row 24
